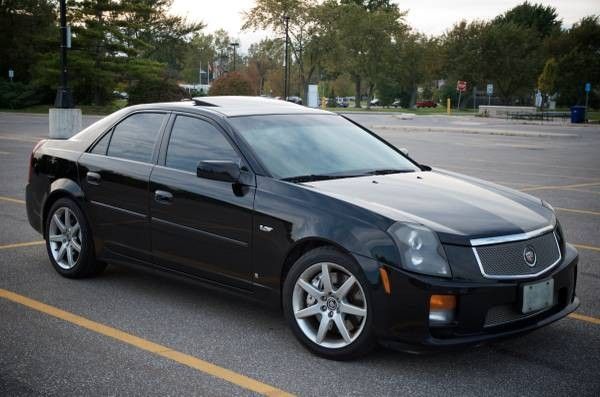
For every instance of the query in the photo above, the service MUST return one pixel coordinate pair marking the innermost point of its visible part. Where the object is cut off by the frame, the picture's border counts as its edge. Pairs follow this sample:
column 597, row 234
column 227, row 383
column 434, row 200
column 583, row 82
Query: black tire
column 86, row 264
column 365, row 341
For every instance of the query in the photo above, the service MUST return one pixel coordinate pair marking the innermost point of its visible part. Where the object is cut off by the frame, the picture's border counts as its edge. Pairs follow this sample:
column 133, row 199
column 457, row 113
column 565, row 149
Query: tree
column 538, row 17
column 361, row 39
column 268, row 14
column 264, row 58
column 232, row 83
column 547, row 80
column 578, row 57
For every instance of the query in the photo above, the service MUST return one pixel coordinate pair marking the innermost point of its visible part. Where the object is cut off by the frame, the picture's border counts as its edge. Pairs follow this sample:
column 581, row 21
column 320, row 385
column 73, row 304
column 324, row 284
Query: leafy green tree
column 578, row 59
column 538, row 17
column 268, row 14
column 26, row 28
column 362, row 40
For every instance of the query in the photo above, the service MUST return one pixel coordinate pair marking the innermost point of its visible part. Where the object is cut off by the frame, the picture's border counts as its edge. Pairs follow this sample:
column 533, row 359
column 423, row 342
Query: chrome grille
column 507, row 260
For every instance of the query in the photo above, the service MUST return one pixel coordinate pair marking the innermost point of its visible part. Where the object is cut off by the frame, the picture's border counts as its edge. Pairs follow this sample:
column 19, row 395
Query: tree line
column 360, row 48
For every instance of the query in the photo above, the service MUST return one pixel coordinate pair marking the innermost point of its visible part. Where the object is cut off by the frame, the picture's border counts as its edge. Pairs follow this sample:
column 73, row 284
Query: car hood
column 459, row 208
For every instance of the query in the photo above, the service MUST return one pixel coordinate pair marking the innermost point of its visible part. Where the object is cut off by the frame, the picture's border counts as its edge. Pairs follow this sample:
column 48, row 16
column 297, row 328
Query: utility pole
column 286, row 18
column 234, row 45
column 63, row 98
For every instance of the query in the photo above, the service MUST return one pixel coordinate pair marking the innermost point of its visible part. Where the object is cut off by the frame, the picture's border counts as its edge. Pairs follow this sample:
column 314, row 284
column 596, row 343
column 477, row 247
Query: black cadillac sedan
column 305, row 210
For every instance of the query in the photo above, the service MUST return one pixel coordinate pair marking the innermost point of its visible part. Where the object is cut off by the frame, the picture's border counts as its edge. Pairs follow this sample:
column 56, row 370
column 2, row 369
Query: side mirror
column 219, row 170
column 404, row 151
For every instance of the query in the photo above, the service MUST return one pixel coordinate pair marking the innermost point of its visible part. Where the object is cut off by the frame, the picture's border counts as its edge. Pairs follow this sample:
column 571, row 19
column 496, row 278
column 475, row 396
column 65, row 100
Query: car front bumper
column 485, row 310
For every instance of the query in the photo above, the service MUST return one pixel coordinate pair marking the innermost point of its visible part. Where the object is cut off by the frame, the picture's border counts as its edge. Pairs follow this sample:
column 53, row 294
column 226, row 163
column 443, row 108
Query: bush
column 148, row 91
column 18, row 95
column 232, row 83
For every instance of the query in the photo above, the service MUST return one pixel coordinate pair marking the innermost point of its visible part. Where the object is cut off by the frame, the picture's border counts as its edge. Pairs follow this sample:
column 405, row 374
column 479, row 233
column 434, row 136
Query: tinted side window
column 134, row 137
column 101, row 146
column 193, row 140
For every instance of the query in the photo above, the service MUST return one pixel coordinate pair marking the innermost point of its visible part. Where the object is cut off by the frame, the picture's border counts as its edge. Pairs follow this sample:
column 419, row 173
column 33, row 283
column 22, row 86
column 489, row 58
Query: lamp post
column 234, row 45
column 286, row 18
column 63, row 98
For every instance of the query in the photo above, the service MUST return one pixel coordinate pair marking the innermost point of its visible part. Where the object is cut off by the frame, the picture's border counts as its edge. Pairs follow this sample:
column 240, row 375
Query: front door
column 201, row 226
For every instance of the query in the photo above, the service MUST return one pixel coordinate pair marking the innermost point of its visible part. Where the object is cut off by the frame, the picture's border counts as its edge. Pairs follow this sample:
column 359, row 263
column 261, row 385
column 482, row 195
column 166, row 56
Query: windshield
column 317, row 146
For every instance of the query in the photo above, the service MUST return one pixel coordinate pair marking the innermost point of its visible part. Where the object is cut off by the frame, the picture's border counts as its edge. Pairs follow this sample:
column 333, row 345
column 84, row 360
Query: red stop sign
column 461, row 85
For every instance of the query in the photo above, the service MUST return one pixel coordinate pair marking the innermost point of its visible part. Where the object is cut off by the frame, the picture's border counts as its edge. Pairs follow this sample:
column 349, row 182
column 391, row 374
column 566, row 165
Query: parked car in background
column 426, row 104
column 295, row 99
column 397, row 103
column 375, row 102
column 305, row 211
column 341, row 102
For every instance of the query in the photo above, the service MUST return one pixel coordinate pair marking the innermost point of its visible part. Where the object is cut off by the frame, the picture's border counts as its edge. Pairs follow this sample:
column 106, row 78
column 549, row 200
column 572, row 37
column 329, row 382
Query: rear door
column 115, row 177
column 201, row 226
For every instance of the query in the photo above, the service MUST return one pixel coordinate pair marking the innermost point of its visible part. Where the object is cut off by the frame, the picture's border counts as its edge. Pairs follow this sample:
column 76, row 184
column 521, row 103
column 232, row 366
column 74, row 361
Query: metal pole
column 474, row 99
column 63, row 94
column 287, row 58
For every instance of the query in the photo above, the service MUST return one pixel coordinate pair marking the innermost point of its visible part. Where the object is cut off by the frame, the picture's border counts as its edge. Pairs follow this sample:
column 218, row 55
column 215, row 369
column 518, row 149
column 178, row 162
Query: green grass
column 85, row 109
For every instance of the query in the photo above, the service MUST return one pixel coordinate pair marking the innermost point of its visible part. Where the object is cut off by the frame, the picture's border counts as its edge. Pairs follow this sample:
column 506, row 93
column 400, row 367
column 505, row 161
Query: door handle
column 93, row 178
column 162, row 197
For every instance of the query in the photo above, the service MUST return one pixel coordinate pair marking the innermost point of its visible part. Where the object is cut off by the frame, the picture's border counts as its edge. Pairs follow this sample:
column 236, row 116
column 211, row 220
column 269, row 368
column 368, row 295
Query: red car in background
column 426, row 104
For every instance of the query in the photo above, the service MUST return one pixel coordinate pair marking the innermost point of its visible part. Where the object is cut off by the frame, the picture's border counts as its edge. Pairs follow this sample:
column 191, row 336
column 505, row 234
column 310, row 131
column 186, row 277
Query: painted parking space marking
column 577, row 211
column 585, row 318
column 587, row 247
column 146, row 345
column 20, row 245
column 559, row 187
column 12, row 200
column 504, row 171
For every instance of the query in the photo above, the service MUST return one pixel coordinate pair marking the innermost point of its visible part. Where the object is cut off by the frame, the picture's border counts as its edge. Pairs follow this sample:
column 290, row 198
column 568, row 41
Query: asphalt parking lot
column 133, row 333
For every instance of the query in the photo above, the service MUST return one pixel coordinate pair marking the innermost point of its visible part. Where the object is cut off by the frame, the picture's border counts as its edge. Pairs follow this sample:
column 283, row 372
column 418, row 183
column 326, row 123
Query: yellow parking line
column 585, row 318
column 143, row 344
column 587, row 247
column 1, row 152
column 587, row 212
column 11, row 200
column 559, row 187
column 526, row 173
column 19, row 245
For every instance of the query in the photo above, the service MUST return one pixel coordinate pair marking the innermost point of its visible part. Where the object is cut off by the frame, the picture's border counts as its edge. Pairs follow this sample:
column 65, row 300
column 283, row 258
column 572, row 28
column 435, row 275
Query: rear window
column 135, row 137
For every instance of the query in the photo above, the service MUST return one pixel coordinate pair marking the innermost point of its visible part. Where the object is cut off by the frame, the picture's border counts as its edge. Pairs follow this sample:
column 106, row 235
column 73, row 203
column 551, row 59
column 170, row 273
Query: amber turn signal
column 385, row 280
column 442, row 302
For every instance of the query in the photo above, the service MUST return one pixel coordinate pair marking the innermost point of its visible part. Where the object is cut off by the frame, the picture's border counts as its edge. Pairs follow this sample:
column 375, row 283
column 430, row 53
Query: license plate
column 538, row 296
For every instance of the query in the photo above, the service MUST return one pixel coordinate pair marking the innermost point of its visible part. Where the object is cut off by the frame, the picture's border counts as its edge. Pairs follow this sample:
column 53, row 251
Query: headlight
column 420, row 249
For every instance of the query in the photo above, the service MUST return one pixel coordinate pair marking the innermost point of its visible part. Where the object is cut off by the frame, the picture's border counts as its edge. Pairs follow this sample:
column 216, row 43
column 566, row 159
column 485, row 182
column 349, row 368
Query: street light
column 63, row 94
column 234, row 45
column 286, row 19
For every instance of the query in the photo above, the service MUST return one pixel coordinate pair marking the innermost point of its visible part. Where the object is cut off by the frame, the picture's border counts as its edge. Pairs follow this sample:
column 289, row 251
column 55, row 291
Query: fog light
column 442, row 309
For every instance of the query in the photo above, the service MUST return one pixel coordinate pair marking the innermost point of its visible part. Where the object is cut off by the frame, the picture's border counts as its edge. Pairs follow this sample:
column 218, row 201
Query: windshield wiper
column 315, row 177
column 387, row 171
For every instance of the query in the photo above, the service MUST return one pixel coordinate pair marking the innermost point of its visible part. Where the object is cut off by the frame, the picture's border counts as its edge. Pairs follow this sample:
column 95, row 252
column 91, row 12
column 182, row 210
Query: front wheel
column 328, row 306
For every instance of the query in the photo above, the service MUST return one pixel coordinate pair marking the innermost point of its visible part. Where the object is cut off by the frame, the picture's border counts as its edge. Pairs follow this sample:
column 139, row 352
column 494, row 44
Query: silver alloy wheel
column 329, row 305
column 64, row 236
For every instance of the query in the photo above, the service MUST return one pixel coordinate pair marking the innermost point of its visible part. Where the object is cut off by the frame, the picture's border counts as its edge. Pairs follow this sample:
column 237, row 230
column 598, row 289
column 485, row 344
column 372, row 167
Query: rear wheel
column 328, row 305
column 69, row 241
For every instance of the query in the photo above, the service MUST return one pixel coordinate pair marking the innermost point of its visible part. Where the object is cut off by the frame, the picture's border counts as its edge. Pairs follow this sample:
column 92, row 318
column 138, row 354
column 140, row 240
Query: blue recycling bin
column 577, row 114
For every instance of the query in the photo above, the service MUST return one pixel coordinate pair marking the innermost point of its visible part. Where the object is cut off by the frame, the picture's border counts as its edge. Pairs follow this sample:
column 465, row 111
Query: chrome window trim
column 511, row 237
column 520, row 276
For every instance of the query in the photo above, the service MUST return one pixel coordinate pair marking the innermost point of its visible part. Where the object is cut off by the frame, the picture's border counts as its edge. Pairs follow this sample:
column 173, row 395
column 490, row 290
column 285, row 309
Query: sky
column 431, row 17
